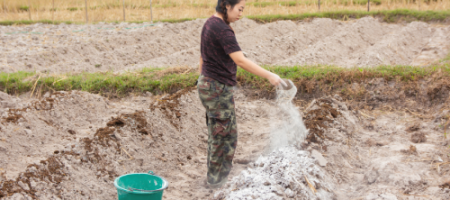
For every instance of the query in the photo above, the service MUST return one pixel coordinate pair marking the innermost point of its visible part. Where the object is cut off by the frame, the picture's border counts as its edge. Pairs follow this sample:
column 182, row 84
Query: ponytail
column 222, row 8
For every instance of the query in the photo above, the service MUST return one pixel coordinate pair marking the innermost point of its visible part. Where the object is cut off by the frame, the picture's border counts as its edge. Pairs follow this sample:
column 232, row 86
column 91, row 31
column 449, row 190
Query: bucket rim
column 165, row 184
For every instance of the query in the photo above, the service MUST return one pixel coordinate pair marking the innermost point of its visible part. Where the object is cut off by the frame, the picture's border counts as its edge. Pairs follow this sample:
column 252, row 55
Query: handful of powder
column 285, row 93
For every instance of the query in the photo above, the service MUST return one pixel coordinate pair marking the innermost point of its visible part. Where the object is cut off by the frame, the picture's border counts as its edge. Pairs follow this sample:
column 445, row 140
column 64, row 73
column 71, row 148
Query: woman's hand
column 275, row 80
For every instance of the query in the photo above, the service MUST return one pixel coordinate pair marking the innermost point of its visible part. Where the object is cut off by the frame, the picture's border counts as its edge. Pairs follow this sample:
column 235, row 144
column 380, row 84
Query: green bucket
column 140, row 186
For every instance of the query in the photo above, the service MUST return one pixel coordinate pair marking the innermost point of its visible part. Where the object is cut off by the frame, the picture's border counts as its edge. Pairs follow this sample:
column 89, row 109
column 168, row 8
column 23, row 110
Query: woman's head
column 230, row 9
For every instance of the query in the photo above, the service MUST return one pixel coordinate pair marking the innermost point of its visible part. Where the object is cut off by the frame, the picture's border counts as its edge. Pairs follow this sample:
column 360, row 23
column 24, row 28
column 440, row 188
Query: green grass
column 24, row 8
column 158, row 80
column 73, row 9
column 103, row 83
column 28, row 22
column 446, row 59
column 339, row 76
column 283, row 3
column 387, row 16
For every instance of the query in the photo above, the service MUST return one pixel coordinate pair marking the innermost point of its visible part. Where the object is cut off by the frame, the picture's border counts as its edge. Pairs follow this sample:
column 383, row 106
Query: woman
column 220, row 55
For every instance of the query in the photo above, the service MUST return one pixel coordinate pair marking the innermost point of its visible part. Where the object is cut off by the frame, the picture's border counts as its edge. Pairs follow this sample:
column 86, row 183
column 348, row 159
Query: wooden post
column 151, row 12
column 319, row 5
column 86, row 8
column 368, row 5
column 53, row 11
column 29, row 9
column 123, row 5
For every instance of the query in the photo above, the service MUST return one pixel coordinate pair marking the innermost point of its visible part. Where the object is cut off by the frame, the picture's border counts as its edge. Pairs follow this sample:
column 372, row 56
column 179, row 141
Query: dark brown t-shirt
column 217, row 42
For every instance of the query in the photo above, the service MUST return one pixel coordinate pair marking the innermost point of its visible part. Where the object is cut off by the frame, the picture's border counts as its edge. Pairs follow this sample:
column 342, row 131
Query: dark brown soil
column 44, row 104
column 418, row 138
column 411, row 151
column 317, row 120
column 117, row 122
column 445, row 185
column 50, row 170
column 169, row 106
column 140, row 123
column 104, row 135
column 14, row 115
column 359, row 91
column 137, row 123
column 413, row 127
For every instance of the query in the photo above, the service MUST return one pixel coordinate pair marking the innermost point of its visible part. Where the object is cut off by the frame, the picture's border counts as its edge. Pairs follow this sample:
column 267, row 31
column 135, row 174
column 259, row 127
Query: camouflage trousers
column 218, row 100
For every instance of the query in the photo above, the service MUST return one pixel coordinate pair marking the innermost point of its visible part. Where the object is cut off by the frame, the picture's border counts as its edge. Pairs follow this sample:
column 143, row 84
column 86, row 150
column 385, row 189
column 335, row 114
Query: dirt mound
column 372, row 153
column 325, row 113
column 102, row 47
column 79, row 145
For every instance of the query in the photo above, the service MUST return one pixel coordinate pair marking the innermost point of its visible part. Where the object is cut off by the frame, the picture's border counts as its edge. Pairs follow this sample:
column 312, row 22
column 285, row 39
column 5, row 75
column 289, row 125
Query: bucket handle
column 135, row 189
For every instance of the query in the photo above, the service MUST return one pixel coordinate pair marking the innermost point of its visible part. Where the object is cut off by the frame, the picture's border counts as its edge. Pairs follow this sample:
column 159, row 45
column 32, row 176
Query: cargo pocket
column 221, row 121
column 203, row 85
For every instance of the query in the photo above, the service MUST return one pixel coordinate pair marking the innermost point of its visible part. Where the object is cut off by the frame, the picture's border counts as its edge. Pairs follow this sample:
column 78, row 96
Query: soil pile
column 286, row 173
column 102, row 47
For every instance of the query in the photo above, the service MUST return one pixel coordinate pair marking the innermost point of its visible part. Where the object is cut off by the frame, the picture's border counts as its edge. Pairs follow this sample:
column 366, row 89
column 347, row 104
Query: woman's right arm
column 248, row 65
column 201, row 64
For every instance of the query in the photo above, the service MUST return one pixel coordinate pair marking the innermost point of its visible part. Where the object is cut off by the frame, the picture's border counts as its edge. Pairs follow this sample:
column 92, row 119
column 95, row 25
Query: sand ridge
column 116, row 47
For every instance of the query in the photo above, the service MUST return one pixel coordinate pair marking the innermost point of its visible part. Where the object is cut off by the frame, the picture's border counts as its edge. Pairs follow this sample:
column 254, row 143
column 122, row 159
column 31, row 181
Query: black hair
column 222, row 8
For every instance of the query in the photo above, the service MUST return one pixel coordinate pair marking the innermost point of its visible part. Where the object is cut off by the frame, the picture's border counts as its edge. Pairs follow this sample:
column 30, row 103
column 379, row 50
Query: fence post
column 368, row 5
column 29, row 10
column 151, row 12
column 86, row 8
column 319, row 5
column 53, row 11
column 123, row 6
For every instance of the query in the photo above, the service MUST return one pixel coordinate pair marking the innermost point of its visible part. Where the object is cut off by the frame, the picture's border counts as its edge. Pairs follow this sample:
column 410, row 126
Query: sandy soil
column 367, row 155
column 71, row 145
column 101, row 47
column 87, row 141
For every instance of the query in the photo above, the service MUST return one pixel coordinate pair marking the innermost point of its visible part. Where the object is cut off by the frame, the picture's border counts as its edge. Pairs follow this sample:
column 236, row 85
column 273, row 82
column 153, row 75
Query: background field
column 139, row 10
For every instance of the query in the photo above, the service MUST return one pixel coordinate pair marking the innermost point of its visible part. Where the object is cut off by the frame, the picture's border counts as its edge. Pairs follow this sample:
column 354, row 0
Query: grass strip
column 28, row 22
column 169, row 80
column 149, row 79
column 339, row 77
column 385, row 15
column 390, row 16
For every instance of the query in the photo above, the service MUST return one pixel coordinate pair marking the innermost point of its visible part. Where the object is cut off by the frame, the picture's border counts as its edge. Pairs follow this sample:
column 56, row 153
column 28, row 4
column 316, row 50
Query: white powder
column 292, row 129
column 281, row 174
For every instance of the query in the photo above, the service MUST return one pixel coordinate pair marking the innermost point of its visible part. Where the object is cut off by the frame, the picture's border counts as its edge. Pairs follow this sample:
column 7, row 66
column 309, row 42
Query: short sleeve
column 228, row 41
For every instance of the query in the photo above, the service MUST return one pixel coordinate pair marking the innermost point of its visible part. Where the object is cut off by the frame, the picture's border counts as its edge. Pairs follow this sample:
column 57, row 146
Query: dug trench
column 374, row 139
